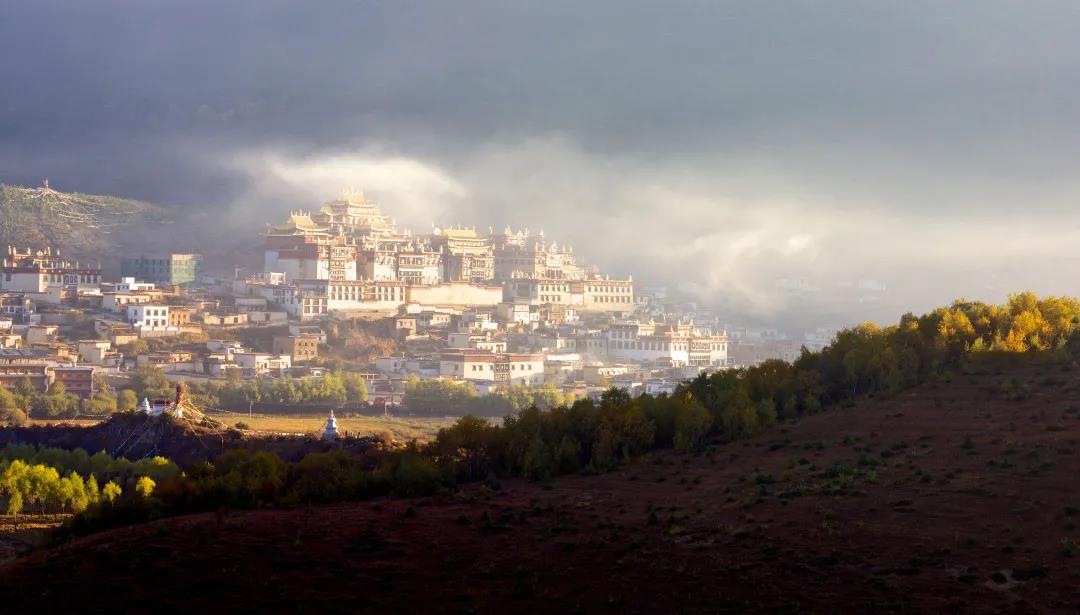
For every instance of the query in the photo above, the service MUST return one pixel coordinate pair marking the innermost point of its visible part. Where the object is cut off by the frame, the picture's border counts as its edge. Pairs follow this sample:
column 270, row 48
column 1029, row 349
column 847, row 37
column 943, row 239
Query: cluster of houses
column 61, row 321
column 491, row 309
column 583, row 355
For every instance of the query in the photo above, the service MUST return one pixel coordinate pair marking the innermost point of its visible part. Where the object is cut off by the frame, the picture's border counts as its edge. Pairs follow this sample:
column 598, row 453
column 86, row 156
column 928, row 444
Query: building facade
column 299, row 347
column 664, row 344
column 521, row 255
column 39, row 271
column 597, row 294
column 466, row 254
column 486, row 367
column 173, row 269
column 150, row 316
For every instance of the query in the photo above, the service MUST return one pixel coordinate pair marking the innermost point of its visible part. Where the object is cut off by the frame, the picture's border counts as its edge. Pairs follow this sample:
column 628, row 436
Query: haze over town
column 763, row 159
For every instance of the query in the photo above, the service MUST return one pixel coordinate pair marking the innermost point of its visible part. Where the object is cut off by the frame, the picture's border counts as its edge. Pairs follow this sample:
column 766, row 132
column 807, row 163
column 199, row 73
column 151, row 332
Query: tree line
column 100, row 464
column 596, row 436
column 51, row 480
column 436, row 397
column 151, row 383
column 55, row 403
column 234, row 393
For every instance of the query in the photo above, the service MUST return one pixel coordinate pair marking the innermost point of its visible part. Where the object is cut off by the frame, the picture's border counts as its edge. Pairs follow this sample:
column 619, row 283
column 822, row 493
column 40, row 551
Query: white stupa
column 330, row 431
column 145, row 408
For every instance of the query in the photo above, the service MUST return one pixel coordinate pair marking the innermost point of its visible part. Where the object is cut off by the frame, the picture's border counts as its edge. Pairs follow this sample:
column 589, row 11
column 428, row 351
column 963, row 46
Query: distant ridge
column 80, row 224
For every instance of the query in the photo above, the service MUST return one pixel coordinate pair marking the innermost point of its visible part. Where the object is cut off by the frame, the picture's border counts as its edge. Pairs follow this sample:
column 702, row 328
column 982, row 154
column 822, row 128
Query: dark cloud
column 756, row 123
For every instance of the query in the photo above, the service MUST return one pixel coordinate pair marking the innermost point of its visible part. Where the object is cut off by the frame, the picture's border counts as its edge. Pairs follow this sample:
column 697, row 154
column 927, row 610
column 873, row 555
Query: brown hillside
column 184, row 441
column 955, row 497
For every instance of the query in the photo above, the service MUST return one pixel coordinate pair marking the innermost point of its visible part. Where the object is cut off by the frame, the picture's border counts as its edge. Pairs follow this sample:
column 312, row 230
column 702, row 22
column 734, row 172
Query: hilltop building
column 350, row 257
column 45, row 273
column 361, row 222
column 300, row 248
column 466, row 254
column 521, row 255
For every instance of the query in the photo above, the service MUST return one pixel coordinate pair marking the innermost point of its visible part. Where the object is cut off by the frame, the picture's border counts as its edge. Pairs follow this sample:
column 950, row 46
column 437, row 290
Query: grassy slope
column 80, row 224
column 23, row 532
column 402, row 428
column 953, row 497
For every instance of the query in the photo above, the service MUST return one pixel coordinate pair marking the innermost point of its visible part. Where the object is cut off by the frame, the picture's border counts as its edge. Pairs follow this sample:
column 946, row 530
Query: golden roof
column 298, row 222
column 461, row 233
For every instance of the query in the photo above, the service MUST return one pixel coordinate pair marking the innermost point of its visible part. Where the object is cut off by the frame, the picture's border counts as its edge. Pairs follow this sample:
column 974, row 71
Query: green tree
column 101, row 404
column 548, row 396
column 134, row 348
column 8, row 401
column 434, row 397
column 126, row 400
column 150, row 382
column 93, row 492
column 692, row 424
column 739, row 418
column 110, row 492
column 101, row 382
column 355, row 387
column 25, row 388
column 145, row 486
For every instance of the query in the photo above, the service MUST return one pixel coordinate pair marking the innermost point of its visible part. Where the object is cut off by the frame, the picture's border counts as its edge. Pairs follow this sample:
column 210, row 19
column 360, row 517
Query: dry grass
column 75, row 422
column 19, row 534
column 402, row 428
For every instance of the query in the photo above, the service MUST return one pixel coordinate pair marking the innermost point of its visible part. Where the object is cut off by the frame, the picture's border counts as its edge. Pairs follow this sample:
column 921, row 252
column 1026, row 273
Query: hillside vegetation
column 952, row 497
column 592, row 437
column 871, row 468
column 84, row 225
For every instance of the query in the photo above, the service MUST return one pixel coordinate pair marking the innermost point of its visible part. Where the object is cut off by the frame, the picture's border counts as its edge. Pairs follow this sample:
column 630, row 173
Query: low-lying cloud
column 802, row 162
column 759, row 244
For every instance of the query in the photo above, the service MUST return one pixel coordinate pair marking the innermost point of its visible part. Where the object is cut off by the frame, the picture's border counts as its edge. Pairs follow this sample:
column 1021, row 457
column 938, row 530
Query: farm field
column 401, row 428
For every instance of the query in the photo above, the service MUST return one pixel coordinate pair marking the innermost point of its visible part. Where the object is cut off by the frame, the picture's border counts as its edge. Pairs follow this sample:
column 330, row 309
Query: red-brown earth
column 954, row 497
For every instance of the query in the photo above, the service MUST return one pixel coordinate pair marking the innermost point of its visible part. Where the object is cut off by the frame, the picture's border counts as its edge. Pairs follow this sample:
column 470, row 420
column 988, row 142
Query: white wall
column 455, row 293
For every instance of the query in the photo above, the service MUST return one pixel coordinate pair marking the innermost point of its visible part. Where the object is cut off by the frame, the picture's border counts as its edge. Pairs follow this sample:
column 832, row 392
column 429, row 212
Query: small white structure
column 129, row 285
column 154, row 408
column 262, row 362
column 154, row 317
column 330, row 432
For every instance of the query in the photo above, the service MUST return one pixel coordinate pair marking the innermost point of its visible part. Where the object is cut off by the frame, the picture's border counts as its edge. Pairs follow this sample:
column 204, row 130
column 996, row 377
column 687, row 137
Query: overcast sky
column 728, row 149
